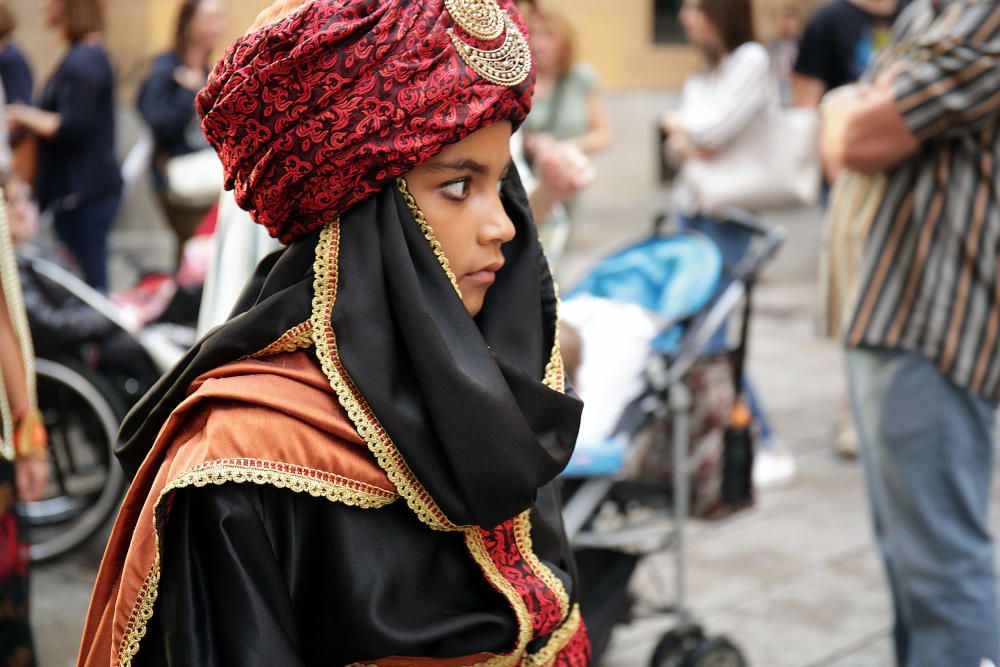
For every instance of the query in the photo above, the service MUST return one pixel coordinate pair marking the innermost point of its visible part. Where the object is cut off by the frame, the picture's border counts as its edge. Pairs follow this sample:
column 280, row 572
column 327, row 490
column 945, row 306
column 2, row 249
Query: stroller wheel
column 675, row 646
column 715, row 652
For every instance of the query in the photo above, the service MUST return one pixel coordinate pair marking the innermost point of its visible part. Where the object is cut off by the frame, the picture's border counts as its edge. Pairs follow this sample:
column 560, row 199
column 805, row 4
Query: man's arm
column 933, row 91
column 807, row 91
column 864, row 130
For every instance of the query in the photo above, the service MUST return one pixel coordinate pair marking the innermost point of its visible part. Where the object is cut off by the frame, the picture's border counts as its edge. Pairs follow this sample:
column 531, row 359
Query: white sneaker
column 772, row 466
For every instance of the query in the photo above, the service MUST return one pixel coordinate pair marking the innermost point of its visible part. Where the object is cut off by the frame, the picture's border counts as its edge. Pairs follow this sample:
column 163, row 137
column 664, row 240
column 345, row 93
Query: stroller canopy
column 672, row 277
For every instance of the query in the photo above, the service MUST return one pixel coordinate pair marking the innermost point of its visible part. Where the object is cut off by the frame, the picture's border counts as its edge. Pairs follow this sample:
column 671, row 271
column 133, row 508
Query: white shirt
column 719, row 104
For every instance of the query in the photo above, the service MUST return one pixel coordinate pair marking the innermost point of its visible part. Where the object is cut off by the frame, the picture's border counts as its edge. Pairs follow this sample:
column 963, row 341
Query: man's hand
column 863, row 129
column 562, row 171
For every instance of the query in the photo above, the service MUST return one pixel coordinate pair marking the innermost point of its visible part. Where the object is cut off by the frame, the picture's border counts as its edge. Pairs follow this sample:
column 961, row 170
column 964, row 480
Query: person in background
column 568, row 115
column 166, row 103
column 24, row 467
column 840, row 41
column 567, row 105
column 18, row 86
column 15, row 72
column 911, row 280
column 785, row 47
column 725, row 98
column 78, row 176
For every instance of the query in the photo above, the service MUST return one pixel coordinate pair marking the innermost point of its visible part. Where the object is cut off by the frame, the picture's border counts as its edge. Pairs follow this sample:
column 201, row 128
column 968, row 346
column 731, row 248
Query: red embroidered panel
column 542, row 602
column 577, row 652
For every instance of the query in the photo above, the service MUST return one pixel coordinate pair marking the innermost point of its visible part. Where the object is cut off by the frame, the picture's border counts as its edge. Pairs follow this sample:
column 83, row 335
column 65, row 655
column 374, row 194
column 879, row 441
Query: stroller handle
column 772, row 237
column 743, row 276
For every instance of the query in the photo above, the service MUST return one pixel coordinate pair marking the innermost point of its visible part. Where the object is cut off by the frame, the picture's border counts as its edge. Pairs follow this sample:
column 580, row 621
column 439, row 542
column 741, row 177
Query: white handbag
column 773, row 164
column 194, row 180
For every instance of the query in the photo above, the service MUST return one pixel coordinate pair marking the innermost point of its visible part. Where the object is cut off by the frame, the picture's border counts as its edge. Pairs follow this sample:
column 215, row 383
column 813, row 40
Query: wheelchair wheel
column 82, row 414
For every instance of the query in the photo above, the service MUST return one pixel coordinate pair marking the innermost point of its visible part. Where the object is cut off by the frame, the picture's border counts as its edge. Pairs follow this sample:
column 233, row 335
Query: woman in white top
column 734, row 91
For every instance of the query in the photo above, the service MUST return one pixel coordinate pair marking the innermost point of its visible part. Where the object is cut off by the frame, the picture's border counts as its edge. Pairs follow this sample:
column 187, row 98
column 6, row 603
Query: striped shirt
column 912, row 259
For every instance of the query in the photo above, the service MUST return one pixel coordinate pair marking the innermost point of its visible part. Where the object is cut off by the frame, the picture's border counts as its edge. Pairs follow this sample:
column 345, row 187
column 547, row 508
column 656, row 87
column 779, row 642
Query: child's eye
column 503, row 178
column 456, row 190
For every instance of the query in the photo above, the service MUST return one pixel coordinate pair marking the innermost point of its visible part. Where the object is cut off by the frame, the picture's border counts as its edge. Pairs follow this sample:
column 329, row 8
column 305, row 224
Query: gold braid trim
column 299, row 479
column 555, row 372
column 557, row 641
column 10, row 283
column 295, row 478
column 361, row 415
column 425, row 227
column 297, row 338
column 474, row 543
column 522, row 537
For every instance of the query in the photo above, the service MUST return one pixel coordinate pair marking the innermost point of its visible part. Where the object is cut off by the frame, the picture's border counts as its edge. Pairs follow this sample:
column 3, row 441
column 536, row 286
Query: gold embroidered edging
column 557, row 641
column 299, row 479
column 555, row 372
column 522, row 537
column 476, row 547
column 298, row 337
column 371, row 431
column 425, row 227
column 295, row 478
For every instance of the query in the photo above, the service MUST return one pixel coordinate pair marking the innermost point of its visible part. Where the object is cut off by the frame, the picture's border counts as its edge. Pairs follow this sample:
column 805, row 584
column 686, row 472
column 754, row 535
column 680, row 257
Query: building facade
column 634, row 44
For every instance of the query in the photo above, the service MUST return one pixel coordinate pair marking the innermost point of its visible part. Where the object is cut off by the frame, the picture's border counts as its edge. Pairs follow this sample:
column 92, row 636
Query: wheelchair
column 83, row 395
column 82, row 412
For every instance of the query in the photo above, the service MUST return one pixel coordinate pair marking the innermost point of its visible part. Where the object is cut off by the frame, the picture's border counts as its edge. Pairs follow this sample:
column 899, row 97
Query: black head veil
column 454, row 408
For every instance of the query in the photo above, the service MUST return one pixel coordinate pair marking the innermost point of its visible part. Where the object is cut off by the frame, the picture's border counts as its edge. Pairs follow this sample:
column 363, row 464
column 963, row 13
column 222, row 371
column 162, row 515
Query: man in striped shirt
column 912, row 279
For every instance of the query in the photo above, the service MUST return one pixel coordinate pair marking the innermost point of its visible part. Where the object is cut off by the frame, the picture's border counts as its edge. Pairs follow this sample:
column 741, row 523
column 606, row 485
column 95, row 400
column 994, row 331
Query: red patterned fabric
column 312, row 114
column 542, row 603
column 577, row 652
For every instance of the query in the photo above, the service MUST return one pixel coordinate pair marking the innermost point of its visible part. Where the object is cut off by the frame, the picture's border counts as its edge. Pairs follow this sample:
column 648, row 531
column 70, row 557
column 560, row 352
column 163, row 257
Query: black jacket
column 59, row 321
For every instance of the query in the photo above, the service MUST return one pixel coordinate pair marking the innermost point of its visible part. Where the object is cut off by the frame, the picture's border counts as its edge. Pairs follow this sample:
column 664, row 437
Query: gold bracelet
column 30, row 438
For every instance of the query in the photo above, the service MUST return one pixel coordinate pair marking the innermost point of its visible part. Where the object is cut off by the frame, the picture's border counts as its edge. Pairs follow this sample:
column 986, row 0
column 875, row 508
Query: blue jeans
column 927, row 450
column 84, row 231
column 733, row 243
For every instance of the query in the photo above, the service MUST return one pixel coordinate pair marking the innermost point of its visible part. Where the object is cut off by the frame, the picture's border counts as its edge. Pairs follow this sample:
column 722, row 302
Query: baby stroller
column 640, row 469
column 95, row 359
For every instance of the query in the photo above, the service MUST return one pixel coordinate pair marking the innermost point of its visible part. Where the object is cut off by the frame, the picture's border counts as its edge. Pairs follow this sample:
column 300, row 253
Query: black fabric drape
column 462, row 399
column 259, row 576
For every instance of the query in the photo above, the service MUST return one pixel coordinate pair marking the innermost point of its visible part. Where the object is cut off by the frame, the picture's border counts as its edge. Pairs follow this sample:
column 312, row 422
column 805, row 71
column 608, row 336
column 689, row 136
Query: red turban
column 314, row 112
